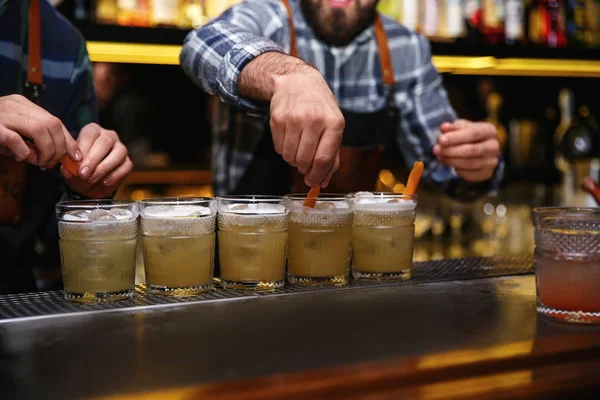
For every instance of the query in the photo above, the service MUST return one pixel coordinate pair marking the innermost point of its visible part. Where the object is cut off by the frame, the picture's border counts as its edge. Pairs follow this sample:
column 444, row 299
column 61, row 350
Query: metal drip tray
column 53, row 303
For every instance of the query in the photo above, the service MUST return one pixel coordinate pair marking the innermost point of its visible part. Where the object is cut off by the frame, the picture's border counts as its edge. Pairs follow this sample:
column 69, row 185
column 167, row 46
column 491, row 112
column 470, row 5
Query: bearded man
column 312, row 86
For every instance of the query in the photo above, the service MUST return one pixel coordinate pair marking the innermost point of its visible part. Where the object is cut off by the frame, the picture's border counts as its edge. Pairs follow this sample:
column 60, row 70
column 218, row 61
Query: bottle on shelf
column 452, row 22
column 514, row 24
column 577, row 154
column 164, row 13
column 133, row 13
column 408, row 13
column 493, row 105
column 430, row 17
column 472, row 12
column 552, row 23
column 576, row 29
column 493, row 21
column 106, row 11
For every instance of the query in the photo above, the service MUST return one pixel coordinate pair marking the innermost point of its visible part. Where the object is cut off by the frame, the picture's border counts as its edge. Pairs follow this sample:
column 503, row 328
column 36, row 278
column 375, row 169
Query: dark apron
column 368, row 143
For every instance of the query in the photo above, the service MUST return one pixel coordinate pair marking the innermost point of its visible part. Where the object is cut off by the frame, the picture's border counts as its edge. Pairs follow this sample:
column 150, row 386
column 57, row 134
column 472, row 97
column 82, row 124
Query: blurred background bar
column 528, row 66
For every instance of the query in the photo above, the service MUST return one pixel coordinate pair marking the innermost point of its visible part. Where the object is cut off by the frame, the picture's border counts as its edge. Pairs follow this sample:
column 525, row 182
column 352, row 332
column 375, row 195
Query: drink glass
column 253, row 233
column 320, row 239
column 383, row 236
column 178, row 237
column 98, row 240
column 567, row 263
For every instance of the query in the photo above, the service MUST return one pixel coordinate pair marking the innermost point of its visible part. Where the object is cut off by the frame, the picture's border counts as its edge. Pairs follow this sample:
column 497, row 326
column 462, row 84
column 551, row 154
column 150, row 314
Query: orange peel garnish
column 311, row 197
column 414, row 178
column 70, row 165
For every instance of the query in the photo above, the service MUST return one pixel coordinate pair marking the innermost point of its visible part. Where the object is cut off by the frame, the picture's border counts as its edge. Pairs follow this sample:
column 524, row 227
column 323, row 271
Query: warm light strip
column 169, row 55
column 134, row 53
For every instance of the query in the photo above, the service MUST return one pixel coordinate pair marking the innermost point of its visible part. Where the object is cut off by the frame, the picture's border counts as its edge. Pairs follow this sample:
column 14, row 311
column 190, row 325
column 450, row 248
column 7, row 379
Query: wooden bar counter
column 454, row 337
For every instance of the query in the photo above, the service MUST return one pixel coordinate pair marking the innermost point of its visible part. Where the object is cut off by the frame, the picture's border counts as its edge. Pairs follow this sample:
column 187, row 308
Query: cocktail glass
column 320, row 238
column 567, row 262
column 253, row 233
column 98, row 240
column 178, row 236
column 383, row 235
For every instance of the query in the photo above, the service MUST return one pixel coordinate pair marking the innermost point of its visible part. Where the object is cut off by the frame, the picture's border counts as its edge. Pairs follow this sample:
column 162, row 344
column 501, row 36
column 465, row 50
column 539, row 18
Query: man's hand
column 21, row 118
column 306, row 122
column 471, row 148
column 105, row 163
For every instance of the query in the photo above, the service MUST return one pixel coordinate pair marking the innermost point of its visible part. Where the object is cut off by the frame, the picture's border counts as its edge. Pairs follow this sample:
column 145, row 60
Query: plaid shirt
column 69, row 95
column 214, row 55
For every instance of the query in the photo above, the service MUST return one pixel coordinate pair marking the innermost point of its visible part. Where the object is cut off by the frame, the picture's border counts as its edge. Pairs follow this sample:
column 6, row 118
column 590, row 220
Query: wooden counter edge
column 530, row 369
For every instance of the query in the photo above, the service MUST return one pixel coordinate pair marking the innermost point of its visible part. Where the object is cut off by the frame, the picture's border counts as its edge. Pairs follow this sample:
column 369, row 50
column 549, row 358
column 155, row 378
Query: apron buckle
column 34, row 91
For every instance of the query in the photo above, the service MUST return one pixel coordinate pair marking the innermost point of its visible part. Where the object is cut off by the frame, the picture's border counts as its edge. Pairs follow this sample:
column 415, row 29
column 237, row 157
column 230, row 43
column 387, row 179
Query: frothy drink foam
column 175, row 211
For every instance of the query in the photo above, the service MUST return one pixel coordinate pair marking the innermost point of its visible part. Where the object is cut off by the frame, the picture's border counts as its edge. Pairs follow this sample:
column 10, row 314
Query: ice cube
column 120, row 213
column 76, row 216
column 325, row 206
column 157, row 211
column 99, row 215
column 364, row 194
column 265, row 208
column 238, row 207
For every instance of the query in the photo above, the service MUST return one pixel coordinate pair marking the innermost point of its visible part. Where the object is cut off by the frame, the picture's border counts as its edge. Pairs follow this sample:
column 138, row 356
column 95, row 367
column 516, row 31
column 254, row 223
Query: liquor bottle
column 514, row 24
column 576, row 22
column 133, row 12
column 493, row 21
column 192, row 14
column 408, row 13
column 532, row 20
column 430, row 18
column 493, row 105
column 575, row 139
column 552, row 23
column 452, row 24
column 472, row 12
column 164, row 13
column 106, row 11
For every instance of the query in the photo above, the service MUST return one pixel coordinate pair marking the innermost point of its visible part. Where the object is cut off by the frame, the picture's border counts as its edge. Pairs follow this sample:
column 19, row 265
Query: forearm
column 259, row 79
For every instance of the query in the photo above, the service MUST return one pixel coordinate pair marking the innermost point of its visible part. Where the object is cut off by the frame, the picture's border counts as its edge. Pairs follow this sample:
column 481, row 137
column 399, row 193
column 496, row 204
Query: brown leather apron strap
column 293, row 41
column 34, row 70
column 385, row 57
column 13, row 174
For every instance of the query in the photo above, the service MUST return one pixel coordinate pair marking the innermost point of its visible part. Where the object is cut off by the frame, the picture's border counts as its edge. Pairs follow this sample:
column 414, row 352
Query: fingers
column 118, row 174
column 51, row 138
column 115, row 158
column 452, row 126
column 277, row 124
column 88, row 136
column 13, row 144
column 472, row 150
column 290, row 143
column 306, row 151
column 336, row 166
column 100, row 148
column 474, row 133
column 325, row 157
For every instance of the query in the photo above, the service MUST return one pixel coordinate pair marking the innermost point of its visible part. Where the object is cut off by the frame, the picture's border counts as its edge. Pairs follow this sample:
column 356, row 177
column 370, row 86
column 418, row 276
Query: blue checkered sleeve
column 214, row 55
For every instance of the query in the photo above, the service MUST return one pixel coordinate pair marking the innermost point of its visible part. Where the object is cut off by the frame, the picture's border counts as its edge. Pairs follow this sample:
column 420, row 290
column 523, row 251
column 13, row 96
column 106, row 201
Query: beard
column 338, row 27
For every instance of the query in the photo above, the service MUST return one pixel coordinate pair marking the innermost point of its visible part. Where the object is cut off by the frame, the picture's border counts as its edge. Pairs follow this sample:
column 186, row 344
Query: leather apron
column 369, row 138
column 13, row 174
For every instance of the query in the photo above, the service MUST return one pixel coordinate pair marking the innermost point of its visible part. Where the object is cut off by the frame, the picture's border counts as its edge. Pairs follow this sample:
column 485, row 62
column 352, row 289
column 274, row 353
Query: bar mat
column 53, row 303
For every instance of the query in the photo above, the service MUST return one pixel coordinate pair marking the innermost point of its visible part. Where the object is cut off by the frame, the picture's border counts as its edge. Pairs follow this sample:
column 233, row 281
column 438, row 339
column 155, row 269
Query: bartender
column 324, row 84
column 47, row 109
